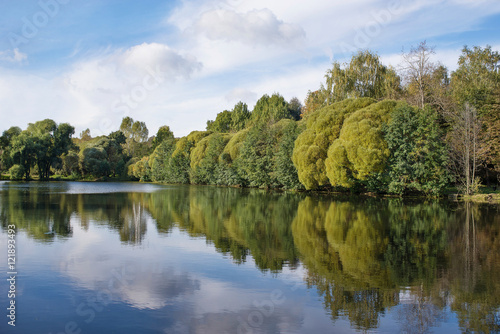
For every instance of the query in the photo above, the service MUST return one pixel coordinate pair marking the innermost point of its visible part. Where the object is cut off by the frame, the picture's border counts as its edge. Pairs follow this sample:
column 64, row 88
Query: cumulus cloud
column 13, row 56
column 117, row 83
column 128, row 67
column 256, row 27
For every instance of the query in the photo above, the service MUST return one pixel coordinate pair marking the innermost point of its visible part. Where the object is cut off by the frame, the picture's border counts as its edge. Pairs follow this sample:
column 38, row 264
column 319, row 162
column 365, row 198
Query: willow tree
column 205, row 158
column 311, row 146
column 360, row 151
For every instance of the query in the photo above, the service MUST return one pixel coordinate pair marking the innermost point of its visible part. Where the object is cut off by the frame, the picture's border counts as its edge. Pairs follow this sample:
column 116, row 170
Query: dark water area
column 142, row 258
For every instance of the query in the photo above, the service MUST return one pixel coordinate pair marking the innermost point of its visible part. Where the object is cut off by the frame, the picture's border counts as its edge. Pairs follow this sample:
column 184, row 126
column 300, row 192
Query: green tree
column 118, row 137
column 162, row 134
column 136, row 134
column 477, row 77
column 205, row 158
column 142, row 170
column 419, row 156
column 70, row 163
column 94, row 162
column 85, row 135
column 222, row 122
column 179, row 167
column 23, row 152
column 295, row 108
column 50, row 142
column 257, row 156
column 240, row 116
column 475, row 88
column 322, row 128
column 270, row 109
column 364, row 76
column 5, row 146
column 16, row 172
column 360, row 151
column 160, row 161
column 284, row 170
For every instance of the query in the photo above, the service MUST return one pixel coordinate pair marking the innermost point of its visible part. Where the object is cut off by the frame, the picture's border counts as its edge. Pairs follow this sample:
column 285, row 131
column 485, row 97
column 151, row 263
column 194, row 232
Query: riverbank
column 487, row 195
column 492, row 198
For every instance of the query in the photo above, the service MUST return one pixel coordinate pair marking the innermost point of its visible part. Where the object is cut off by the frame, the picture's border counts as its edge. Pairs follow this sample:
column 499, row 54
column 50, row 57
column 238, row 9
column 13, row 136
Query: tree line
column 416, row 128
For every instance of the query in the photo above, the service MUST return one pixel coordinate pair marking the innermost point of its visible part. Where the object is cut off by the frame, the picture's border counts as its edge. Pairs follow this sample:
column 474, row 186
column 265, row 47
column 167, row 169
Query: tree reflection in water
column 364, row 256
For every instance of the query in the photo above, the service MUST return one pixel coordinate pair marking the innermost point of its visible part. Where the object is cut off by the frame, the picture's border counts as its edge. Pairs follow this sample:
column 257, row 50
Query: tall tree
column 222, row 122
column 466, row 146
column 240, row 116
column 162, row 134
column 295, row 108
column 417, row 69
column 419, row 156
column 49, row 142
column 136, row 133
column 364, row 76
column 23, row 152
column 270, row 109
column 475, row 86
column 5, row 146
column 477, row 77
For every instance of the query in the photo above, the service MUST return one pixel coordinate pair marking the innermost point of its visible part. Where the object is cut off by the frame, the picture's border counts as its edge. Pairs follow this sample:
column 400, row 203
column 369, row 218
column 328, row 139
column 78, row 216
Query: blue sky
column 179, row 63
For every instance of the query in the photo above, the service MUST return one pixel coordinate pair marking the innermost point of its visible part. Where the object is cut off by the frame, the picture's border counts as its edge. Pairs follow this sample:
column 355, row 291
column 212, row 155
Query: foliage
column 136, row 134
column 284, row 170
column 417, row 71
column 6, row 145
column 41, row 144
column 141, row 169
column 311, row 146
column 476, row 77
column 360, row 151
column 222, row 122
column 364, row 76
column 475, row 85
column 270, row 109
column 419, row 155
column 205, row 157
column 230, row 121
column 70, row 163
column 257, row 155
column 295, row 108
column 160, row 161
column 162, row 134
column 178, row 168
column 16, row 172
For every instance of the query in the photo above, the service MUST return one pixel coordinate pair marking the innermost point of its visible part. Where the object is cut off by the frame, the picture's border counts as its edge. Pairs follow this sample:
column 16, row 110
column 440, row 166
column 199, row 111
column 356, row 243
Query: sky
column 179, row 63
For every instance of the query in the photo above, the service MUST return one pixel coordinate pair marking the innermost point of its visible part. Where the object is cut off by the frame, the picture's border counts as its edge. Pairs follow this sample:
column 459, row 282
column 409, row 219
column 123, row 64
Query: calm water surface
column 141, row 258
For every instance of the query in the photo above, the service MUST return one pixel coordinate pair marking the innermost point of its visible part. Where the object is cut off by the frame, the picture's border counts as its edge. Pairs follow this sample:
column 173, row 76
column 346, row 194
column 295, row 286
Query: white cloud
column 124, row 68
column 98, row 91
column 241, row 94
column 124, row 82
column 256, row 27
column 13, row 56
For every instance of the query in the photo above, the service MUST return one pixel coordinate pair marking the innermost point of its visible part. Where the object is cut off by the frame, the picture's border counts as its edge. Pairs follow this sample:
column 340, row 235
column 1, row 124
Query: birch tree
column 417, row 69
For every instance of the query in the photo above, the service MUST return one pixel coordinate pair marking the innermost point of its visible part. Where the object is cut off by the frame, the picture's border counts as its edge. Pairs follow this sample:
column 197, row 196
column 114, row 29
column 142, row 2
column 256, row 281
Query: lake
column 143, row 258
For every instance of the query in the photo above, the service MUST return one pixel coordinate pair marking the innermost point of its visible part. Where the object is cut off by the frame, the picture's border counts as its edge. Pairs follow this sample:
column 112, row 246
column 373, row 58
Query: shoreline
column 486, row 198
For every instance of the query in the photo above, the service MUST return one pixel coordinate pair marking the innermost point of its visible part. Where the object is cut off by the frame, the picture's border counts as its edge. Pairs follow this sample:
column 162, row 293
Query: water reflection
column 421, row 262
column 45, row 215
